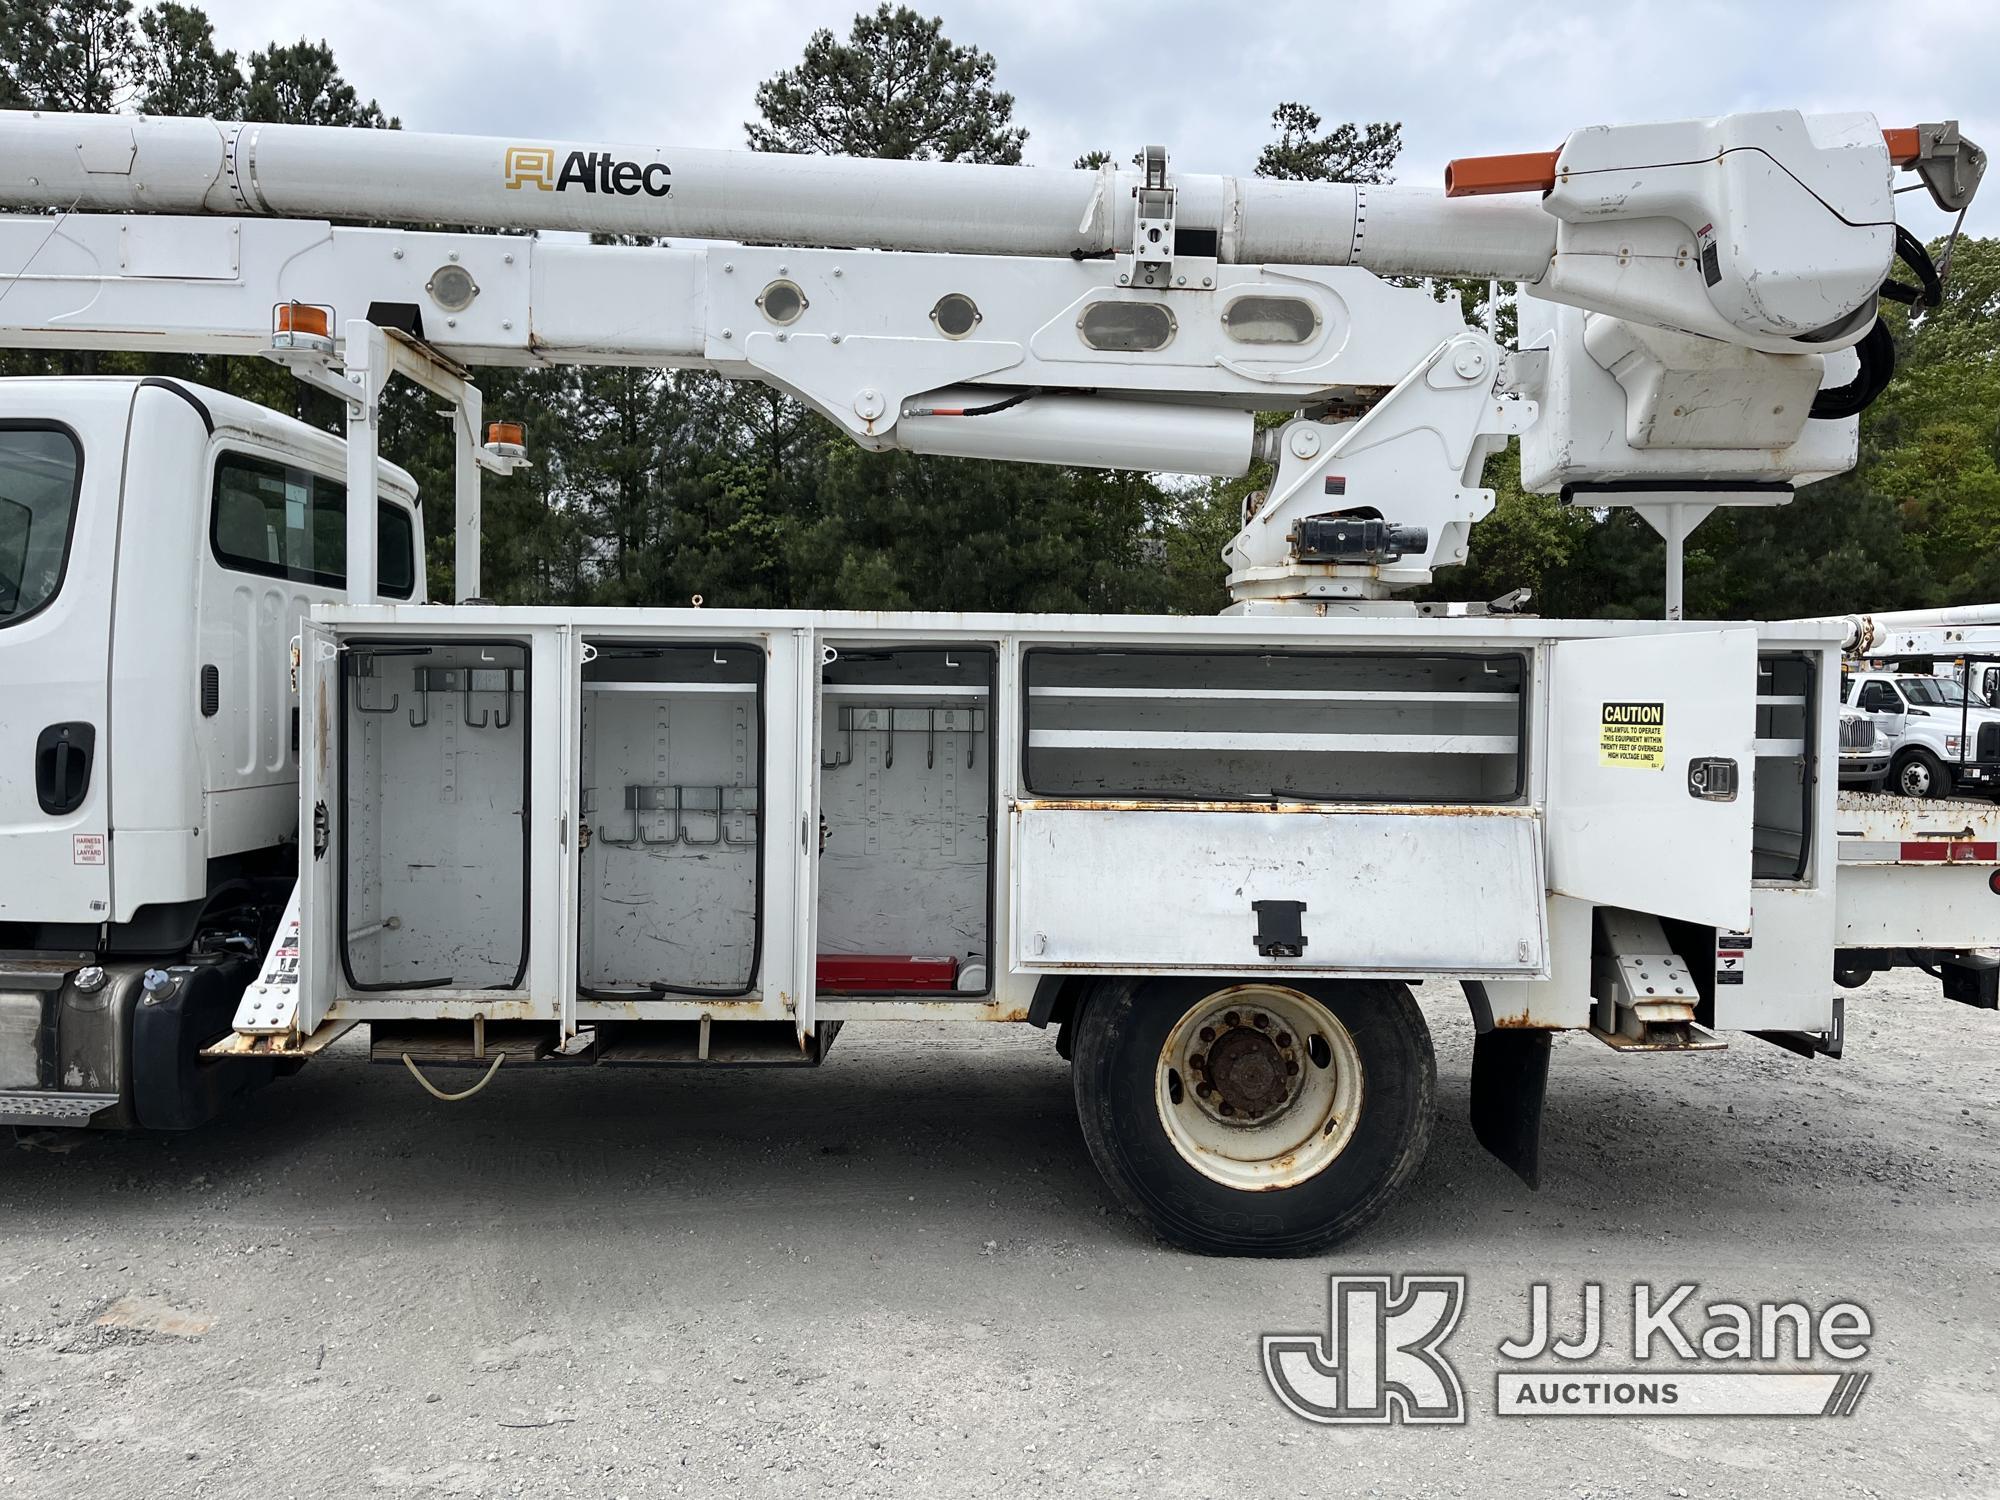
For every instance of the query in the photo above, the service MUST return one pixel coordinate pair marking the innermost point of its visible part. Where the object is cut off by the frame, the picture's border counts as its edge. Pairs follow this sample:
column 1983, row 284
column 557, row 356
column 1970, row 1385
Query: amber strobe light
column 301, row 317
column 506, row 432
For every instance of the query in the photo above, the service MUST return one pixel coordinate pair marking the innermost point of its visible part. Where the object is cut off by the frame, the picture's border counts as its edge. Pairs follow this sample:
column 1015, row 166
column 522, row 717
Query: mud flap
column 1510, row 1075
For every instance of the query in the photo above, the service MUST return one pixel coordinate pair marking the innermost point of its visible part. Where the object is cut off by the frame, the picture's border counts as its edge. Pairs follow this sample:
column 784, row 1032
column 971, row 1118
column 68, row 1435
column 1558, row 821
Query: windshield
column 1932, row 692
column 38, row 481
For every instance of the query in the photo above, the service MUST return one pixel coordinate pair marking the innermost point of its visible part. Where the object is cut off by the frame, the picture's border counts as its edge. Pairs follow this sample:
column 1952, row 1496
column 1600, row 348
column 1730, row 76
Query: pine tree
column 72, row 55
column 896, row 88
column 299, row 84
column 179, row 69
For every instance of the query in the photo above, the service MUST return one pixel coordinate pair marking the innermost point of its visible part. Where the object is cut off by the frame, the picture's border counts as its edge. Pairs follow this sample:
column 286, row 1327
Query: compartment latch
column 1279, row 931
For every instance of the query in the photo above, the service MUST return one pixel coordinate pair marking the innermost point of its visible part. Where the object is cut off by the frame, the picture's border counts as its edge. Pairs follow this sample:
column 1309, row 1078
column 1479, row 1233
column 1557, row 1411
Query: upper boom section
column 147, row 164
column 1770, row 230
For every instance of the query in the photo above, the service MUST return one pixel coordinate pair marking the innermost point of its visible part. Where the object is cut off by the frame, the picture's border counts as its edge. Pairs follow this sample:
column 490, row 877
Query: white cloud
column 1463, row 77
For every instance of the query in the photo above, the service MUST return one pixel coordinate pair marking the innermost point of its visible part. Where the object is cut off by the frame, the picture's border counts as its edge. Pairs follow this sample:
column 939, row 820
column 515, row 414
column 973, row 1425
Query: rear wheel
column 1918, row 773
column 1254, row 1119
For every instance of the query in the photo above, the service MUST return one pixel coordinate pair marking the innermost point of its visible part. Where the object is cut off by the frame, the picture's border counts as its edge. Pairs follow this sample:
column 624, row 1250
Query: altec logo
column 592, row 171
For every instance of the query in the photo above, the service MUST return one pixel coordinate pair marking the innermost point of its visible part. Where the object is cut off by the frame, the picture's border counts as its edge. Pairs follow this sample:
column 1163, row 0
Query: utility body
column 1212, row 853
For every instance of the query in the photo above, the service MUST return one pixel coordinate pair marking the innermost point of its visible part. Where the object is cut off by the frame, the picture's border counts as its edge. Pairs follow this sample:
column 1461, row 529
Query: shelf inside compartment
column 905, row 798
column 1781, row 776
column 1334, row 725
column 434, row 779
column 669, row 765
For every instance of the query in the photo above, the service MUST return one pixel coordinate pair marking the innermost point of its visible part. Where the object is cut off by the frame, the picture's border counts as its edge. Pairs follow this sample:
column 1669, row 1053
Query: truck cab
column 1938, row 741
column 159, row 544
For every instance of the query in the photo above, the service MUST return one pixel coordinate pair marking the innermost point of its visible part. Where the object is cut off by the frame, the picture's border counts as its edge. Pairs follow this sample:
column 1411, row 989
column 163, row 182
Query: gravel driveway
column 896, row 1274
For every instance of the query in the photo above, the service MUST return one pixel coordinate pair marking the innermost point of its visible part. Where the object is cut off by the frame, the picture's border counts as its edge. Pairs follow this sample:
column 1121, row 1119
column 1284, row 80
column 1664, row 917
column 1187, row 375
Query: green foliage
column 897, row 87
column 74, row 55
column 179, row 70
column 1303, row 152
column 299, row 85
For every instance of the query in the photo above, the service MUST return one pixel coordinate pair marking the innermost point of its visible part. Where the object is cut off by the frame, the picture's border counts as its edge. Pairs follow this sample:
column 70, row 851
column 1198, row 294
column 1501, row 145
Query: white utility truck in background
column 1936, row 738
column 1931, row 691
column 1214, row 853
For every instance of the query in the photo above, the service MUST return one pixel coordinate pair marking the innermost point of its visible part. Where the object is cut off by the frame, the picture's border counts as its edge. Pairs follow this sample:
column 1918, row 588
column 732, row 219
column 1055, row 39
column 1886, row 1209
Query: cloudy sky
column 1463, row 77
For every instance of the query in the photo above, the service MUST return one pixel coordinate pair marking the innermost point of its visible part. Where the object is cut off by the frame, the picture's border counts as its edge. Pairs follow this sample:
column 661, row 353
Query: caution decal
column 1633, row 735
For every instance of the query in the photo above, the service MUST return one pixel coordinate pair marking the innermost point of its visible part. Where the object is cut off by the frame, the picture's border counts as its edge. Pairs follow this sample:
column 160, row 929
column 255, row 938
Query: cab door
column 60, row 482
column 1652, row 744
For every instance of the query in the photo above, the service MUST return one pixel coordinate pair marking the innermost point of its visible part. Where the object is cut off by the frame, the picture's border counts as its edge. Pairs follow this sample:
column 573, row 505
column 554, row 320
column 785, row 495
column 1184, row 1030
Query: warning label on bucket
column 1633, row 735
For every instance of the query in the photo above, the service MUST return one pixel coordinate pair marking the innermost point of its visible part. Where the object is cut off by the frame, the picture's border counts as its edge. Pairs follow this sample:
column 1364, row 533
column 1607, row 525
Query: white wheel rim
column 1259, row 1107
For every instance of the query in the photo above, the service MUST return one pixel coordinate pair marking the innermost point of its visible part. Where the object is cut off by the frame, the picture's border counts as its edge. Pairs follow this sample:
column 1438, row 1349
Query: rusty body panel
column 1917, row 873
column 239, row 1045
column 1277, row 807
column 1873, row 826
column 923, row 1010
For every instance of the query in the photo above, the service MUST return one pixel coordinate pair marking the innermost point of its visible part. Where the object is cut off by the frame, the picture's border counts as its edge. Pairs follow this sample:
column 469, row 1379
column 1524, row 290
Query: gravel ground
column 897, row 1275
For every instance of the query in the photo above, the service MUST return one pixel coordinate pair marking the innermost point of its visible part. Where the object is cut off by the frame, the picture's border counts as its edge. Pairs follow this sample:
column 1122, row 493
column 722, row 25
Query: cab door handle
column 63, row 754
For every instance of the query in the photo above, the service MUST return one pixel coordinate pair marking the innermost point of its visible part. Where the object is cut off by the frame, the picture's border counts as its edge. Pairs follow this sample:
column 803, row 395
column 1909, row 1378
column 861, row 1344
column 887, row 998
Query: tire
column 1362, row 1117
column 1918, row 773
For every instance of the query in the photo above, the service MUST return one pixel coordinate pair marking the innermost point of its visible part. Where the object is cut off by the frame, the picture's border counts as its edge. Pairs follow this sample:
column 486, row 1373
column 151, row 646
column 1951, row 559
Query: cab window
column 1933, row 692
column 287, row 522
column 39, row 470
column 1879, row 698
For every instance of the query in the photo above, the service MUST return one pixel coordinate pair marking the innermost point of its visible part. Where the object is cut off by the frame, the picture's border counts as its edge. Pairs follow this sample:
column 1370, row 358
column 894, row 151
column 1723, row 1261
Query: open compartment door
column 1652, row 742
column 805, row 868
column 320, row 851
column 572, row 655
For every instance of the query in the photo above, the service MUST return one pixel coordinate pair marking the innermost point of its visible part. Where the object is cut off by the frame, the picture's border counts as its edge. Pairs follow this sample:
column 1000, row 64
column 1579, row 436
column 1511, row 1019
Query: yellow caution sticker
column 1633, row 735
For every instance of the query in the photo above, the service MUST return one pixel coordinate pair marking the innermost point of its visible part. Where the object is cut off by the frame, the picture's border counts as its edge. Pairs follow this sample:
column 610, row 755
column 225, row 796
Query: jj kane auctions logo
column 1381, row 1358
column 592, row 171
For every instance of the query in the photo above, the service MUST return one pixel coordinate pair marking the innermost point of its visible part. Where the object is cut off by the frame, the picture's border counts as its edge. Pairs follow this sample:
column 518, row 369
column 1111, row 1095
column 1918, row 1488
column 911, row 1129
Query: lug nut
column 1233, row 1019
column 1291, row 1066
column 1201, row 1090
column 1227, row 1109
column 1284, row 1039
column 1198, row 1061
column 1260, row 1021
column 1208, row 1033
